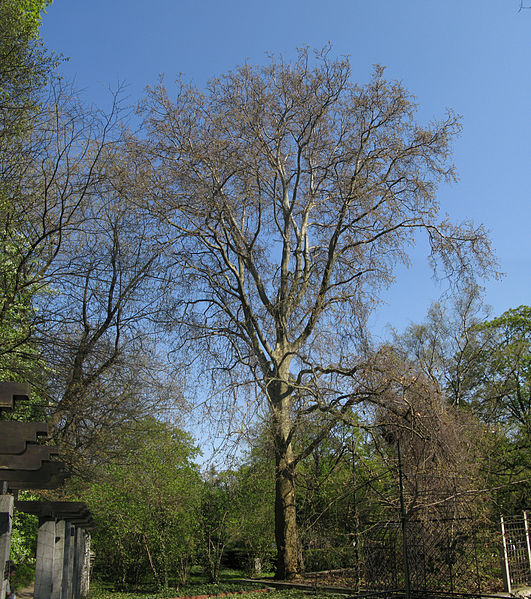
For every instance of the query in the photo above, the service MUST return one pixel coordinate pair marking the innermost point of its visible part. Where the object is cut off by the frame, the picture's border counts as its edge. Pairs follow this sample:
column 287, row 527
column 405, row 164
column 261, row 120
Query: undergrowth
column 98, row 591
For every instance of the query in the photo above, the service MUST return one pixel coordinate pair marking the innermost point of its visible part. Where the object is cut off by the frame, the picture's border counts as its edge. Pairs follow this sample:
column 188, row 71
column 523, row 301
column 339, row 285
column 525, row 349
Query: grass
column 170, row 594
column 231, row 585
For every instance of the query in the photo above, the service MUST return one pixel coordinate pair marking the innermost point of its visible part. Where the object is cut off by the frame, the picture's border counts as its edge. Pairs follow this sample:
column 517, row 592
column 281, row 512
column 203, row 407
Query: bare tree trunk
column 289, row 556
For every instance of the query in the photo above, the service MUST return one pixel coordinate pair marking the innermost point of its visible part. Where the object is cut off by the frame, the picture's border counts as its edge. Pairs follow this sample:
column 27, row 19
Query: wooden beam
column 10, row 391
column 49, row 473
column 75, row 512
column 31, row 459
column 14, row 435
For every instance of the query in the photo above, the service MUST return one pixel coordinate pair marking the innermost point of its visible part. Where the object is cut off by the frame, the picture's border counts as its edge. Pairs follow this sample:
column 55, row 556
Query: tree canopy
column 291, row 194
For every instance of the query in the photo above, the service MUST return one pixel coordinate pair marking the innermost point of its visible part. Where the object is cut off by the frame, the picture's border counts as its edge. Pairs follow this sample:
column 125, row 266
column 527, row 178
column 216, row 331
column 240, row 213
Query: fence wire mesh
column 453, row 556
column 460, row 556
column 517, row 550
column 452, row 546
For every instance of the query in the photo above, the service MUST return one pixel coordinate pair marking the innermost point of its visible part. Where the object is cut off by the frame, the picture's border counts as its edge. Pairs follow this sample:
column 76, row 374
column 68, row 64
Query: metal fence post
column 403, row 521
column 528, row 542
column 506, row 572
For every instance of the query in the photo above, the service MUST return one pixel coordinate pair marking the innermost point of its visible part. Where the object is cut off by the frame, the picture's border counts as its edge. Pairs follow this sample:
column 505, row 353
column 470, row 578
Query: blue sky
column 473, row 56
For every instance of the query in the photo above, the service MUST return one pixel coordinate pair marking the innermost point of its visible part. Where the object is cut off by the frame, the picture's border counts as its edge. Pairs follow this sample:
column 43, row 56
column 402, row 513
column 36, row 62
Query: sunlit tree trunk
column 289, row 555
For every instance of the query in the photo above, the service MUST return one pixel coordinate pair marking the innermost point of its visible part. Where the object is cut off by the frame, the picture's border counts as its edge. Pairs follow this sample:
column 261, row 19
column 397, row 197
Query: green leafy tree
column 148, row 507
column 499, row 391
column 24, row 66
column 503, row 395
column 24, row 69
column 217, row 511
column 253, row 522
column 24, row 543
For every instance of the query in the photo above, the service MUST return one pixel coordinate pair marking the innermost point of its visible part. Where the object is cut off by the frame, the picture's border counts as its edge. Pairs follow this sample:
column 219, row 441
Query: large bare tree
column 292, row 193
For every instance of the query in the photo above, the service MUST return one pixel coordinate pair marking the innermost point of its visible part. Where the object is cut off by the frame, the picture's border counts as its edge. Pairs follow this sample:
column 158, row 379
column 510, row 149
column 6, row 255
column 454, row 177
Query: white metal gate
column 516, row 551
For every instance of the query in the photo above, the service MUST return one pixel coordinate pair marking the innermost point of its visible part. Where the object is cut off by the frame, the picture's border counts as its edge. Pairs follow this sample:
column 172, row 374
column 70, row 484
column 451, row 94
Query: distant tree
column 445, row 344
column 503, row 394
column 292, row 194
column 252, row 537
column 217, row 510
column 98, row 334
column 500, row 393
column 481, row 366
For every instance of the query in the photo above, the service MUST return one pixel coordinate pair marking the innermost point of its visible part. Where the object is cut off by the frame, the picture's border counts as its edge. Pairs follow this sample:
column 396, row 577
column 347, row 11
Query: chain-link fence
column 459, row 556
column 427, row 535
column 451, row 556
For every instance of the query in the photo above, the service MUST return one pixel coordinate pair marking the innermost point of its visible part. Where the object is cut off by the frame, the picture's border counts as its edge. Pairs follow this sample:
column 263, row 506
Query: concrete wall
column 63, row 561
column 6, row 522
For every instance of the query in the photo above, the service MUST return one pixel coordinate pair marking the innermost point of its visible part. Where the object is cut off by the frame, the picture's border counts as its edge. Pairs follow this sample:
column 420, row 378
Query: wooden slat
column 86, row 523
column 31, row 459
column 9, row 392
column 73, row 511
column 44, row 474
column 14, row 436
column 54, row 482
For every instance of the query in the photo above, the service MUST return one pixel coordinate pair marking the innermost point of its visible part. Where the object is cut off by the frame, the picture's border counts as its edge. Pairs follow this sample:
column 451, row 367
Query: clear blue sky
column 471, row 55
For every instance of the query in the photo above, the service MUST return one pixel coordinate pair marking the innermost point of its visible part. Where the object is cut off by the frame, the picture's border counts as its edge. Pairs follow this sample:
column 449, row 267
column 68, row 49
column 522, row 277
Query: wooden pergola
column 27, row 461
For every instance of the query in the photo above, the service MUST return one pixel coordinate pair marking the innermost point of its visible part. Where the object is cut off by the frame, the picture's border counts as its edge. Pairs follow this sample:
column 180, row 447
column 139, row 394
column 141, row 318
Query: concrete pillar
column 78, row 563
column 85, row 571
column 44, row 568
column 58, row 559
column 68, row 563
column 6, row 521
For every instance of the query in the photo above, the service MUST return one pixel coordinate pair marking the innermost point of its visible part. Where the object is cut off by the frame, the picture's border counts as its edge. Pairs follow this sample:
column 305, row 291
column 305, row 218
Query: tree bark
column 289, row 555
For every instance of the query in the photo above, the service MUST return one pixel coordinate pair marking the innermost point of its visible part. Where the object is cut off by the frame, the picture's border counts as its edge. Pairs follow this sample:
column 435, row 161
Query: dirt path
column 26, row 593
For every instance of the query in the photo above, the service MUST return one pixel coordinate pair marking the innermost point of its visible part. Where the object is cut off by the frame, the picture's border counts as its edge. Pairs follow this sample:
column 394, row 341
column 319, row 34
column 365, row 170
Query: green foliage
column 147, row 508
column 242, row 590
column 500, row 393
column 503, row 394
column 253, row 520
column 24, row 543
column 237, row 520
column 216, row 512
column 340, row 487
column 100, row 590
column 25, row 67
column 32, row 10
